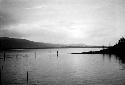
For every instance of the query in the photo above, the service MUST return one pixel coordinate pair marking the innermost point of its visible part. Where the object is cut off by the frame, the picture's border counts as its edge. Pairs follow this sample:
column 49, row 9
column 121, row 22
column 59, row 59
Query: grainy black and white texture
column 37, row 38
column 63, row 21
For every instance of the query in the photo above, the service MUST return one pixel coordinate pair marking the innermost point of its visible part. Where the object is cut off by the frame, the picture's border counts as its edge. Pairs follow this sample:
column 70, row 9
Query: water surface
column 44, row 67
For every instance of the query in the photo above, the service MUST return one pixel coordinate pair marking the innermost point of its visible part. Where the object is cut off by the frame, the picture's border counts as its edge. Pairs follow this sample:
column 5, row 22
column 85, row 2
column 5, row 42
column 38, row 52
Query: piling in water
column 2, row 67
column 4, row 55
column 27, row 77
column 0, row 77
column 35, row 55
column 57, row 52
column 16, row 55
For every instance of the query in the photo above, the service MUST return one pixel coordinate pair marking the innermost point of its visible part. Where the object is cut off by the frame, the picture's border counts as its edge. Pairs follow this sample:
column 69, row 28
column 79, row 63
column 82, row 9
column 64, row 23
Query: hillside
column 117, row 49
column 14, row 43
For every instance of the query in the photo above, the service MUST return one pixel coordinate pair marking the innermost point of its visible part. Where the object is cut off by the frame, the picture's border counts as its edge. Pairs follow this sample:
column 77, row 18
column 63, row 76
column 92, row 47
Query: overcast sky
column 94, row 22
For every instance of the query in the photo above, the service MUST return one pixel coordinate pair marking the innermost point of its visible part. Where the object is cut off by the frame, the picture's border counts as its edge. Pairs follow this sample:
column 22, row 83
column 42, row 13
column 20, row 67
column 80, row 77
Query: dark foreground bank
column 117, row 49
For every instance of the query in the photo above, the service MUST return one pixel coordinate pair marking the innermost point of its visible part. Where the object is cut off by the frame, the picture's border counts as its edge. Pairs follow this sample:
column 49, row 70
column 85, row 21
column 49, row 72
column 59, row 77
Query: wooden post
column 35, row 55
column 4, row 55
column 27, row 77
column 16, row 55
column 0, row 77
column 57, row 52
column 2, row 67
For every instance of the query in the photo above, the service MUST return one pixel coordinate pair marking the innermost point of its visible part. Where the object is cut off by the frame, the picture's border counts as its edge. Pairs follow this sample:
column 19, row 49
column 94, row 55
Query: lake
column 45, row 67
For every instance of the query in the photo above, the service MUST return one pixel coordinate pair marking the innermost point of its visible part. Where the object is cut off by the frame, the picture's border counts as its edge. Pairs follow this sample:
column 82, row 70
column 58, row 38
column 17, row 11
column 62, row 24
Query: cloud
column 89, row 21
column 6, row 19
column 36, row 7
column 10, row 33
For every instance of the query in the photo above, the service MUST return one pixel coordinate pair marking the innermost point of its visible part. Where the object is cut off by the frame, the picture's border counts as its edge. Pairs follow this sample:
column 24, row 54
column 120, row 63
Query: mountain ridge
column 16, row 43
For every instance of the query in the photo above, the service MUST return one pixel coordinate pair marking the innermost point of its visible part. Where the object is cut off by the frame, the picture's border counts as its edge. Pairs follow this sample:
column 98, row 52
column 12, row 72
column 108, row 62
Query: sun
column 76, row 33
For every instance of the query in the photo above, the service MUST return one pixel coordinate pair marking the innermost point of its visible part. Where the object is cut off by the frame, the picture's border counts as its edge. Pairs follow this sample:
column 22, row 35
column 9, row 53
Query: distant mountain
column 84, row 46
column 14, row 43
column 75, row 45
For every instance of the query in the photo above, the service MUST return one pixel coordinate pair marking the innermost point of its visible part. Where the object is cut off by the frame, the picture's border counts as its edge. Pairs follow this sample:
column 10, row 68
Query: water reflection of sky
column 45, row 67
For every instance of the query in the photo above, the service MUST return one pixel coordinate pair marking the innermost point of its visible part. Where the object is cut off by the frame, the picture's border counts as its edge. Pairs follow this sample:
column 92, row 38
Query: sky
column 91, row 22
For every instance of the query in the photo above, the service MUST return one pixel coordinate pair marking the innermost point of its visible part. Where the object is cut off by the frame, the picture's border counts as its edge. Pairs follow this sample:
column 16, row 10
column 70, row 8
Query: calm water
column 44, row 67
